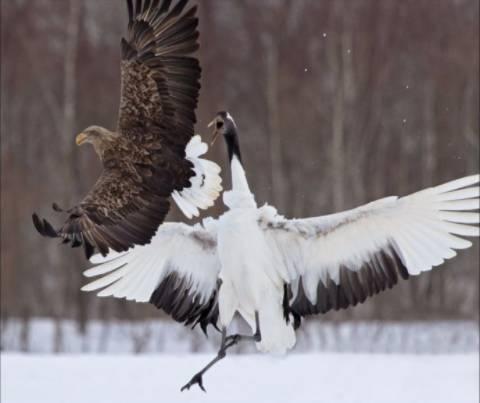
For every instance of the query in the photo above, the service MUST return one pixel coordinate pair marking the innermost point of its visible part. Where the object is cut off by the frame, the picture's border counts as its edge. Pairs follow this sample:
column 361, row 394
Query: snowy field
column 320, row 377
column 334, row 363
column 165, row 336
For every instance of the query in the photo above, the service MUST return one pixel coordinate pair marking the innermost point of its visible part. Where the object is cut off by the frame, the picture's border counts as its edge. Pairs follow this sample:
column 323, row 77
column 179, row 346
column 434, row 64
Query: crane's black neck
column 233, row 147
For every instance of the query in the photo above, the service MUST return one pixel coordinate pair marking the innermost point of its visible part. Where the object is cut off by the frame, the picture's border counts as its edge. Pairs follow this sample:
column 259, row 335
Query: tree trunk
column 274, row 134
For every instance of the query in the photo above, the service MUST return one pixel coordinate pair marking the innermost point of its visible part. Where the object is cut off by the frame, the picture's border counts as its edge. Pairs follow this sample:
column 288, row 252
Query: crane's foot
column 227, row 342
column 196, row 379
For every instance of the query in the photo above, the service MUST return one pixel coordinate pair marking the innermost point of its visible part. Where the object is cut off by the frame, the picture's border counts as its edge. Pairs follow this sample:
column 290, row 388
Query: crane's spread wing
column 177, row 272
column 339, row 260
column 160, row 80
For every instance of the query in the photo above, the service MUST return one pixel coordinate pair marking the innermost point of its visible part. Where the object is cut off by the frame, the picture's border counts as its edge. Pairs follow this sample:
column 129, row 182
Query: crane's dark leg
column 227, row 342
column 197, row 378
column 257, row 336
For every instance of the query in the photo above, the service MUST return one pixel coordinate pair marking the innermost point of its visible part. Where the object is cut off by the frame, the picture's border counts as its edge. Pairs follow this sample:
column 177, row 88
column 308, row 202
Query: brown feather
column 144, row 161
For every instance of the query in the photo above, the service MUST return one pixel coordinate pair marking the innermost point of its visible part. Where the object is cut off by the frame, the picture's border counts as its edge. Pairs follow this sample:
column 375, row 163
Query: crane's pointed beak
column 215, row 131
column 80, row 139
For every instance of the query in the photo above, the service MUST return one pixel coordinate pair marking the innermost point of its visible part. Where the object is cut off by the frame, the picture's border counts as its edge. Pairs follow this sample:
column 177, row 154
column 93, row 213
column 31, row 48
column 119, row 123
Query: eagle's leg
column 222, row 352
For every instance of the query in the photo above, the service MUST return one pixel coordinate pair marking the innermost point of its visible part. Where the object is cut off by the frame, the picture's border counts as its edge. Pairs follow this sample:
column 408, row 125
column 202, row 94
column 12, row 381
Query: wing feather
column 177, row 272
column 160, row 80
column 115, row 214
column 148, row 161
column 339, row 260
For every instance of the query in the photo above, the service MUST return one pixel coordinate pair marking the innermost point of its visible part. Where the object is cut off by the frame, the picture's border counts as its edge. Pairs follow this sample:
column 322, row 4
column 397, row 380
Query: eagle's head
column 98, row 136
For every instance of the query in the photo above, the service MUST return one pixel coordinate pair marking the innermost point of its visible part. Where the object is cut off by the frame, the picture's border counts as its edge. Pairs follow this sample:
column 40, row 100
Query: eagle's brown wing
column 160, row 80
column 160, row 86
column 117, row 213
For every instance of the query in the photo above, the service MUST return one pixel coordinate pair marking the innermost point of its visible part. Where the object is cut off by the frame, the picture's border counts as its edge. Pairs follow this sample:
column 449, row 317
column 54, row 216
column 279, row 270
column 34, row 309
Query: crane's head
column 223, row 124
column 97, row 136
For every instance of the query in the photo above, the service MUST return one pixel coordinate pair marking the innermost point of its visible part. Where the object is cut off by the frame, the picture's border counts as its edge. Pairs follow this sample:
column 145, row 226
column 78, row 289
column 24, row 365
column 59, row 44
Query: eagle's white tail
column 205, row 185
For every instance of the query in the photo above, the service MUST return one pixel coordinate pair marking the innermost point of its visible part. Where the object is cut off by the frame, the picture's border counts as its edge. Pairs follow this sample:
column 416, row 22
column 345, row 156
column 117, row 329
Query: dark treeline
column 338, row 103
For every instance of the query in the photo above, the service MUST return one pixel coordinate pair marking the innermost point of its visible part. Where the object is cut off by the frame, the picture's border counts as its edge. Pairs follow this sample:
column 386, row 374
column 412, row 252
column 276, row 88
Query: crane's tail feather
column 278, row 336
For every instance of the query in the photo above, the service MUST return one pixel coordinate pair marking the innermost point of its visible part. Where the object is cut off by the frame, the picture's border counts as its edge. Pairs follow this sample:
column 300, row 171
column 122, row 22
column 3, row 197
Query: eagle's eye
column 219, row 124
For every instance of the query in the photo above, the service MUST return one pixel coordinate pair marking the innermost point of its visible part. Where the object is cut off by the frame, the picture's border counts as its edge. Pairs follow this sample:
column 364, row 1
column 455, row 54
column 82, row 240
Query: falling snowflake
column 324, row 34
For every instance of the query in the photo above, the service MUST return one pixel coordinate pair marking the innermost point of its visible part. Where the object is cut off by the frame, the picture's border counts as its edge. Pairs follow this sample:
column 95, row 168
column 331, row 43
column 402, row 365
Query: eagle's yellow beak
column 215, row 131
column 80, row 138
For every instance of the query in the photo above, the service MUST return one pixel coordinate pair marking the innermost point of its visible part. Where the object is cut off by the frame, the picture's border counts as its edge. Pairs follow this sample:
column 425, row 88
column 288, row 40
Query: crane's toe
column 196, row 379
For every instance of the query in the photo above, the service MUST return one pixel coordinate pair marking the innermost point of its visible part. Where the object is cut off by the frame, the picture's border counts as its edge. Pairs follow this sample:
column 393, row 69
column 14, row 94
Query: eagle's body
column 137, row 163
column 144, row 159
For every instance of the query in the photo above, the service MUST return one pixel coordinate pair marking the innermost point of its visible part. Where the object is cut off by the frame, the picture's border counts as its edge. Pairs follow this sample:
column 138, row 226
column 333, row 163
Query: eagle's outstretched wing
column 160, row 81
column 155, row 155
column 122, row 210
column 115, row 214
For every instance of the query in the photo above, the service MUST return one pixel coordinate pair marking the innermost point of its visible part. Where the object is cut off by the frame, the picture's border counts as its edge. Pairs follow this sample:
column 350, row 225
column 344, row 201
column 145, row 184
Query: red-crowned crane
column 273, row 271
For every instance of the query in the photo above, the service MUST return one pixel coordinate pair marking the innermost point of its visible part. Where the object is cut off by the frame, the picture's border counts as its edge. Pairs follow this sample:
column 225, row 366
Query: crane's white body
column 250, row 281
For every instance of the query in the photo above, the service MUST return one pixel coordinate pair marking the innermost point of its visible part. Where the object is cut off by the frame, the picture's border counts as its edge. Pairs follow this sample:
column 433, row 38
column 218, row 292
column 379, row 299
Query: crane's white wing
column 338, row 260
column 177, row 272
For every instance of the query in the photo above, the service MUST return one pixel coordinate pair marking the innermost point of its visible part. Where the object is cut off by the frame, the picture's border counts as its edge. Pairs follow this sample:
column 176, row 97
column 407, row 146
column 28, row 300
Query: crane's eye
column 219, row 124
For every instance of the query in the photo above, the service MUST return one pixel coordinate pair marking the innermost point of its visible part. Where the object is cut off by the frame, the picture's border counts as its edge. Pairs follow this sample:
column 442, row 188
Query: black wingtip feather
column 76, row 242
column 44, row 227
column 49, row 230
column 203, row 326
column 128, row 52
column 130, row 11
column 88, row 248
column 138, row 7
column 165, row 6
column 146, row 5
column 37, row 224
column 57, row 208
column 178, row 8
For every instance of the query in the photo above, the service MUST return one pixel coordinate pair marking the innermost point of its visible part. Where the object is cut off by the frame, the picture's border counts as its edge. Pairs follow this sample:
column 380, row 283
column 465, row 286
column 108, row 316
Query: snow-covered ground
column 334, row 363
column 320, row 377
column 166, row 336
